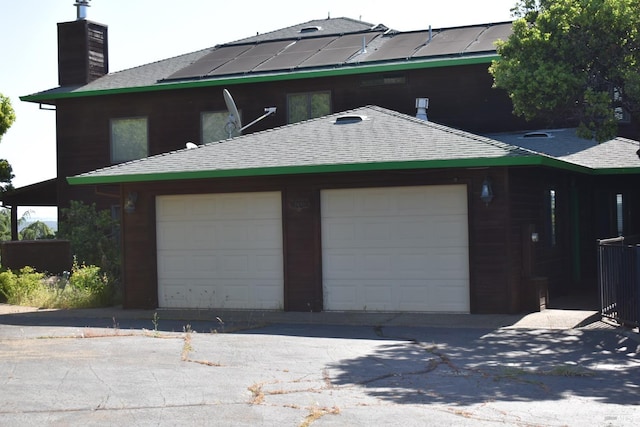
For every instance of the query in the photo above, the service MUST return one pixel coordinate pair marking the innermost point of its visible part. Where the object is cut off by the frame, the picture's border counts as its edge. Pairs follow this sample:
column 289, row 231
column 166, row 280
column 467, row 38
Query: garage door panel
column 386, row 295
column 396, row 249
column 377, row 202
column 220, row 251
column 406, row 232
column 397, row 264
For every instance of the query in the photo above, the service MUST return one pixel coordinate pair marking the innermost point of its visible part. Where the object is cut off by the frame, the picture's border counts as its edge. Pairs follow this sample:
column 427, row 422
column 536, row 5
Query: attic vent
column 311, row 29
column 345, row 120
column 537, row 135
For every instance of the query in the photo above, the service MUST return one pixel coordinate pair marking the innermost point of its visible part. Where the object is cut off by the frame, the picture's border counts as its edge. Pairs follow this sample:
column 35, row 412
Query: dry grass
column 315, row 413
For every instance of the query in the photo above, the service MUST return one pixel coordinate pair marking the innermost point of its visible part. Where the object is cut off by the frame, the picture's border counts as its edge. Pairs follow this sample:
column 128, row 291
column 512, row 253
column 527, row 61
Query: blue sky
column 143, row 31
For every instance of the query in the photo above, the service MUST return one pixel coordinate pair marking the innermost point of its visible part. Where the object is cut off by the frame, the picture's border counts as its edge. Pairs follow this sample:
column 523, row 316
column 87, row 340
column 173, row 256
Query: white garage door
column 220, row 251
column 396, row 249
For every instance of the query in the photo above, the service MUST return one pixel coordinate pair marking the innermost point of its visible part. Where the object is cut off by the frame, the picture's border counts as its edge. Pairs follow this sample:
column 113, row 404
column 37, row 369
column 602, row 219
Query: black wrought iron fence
column 619, row 279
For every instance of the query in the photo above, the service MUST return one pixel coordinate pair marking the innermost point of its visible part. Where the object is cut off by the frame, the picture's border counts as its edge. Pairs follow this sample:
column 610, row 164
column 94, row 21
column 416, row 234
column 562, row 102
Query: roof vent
column 312, row 29
column 537, row 135
column 422, row 104
column 345, row 120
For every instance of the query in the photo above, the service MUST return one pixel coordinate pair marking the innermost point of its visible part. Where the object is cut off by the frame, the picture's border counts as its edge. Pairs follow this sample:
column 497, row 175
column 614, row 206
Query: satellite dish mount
column 234, row 125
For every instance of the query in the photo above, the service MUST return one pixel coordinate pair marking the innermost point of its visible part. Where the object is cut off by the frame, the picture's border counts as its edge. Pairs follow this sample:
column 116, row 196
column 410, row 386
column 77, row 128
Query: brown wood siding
column 489, row 245
column 139, row 253
column 302, row 249
column 82, row 52
column 530, row 208
column 489, row 250
column 461, row 97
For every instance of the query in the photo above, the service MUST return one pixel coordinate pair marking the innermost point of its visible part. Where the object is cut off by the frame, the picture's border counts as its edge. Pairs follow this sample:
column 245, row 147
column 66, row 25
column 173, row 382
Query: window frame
column 112, row 146
column 309, row 97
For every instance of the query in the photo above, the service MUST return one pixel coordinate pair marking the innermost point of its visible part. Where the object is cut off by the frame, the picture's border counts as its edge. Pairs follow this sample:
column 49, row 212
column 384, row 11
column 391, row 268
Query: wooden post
column 14, row 222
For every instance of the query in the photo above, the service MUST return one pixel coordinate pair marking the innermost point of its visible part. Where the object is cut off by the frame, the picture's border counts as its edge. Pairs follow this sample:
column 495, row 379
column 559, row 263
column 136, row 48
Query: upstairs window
column 214, row 127
column 309, row 105
column 129, row 139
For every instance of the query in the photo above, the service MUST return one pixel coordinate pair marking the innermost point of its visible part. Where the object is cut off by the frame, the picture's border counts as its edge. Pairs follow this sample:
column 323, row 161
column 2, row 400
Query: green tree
column 93, row 237
column 5, row 223
column 573, row 60
column 36, row 230
column 7, row 117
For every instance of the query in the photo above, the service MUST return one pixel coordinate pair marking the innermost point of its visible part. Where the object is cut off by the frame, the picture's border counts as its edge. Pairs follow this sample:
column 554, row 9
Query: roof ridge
column 301, row 24
column 455, row 131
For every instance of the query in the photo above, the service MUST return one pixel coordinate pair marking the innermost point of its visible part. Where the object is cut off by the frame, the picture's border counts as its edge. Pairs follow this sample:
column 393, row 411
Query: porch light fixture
column 130, row 203
column 486, row 193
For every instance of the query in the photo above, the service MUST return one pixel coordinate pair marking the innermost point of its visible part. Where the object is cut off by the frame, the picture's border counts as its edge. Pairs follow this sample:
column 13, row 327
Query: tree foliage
column 93, row 237
column 5, row 223
column 7, row 117
column 573, row 60
column 36, row 230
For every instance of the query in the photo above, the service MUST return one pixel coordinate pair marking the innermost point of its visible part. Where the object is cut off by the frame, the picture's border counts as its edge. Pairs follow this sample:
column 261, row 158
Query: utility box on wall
column 50, row 256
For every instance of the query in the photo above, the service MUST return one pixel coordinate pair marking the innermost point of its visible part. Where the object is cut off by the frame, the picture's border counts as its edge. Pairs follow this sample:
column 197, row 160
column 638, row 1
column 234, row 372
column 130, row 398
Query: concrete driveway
column 152, row 368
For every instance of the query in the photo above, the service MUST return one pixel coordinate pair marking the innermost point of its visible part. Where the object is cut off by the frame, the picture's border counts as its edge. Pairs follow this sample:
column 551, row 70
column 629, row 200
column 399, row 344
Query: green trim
column 344, row 70
column 349, row 167
column 617, row 171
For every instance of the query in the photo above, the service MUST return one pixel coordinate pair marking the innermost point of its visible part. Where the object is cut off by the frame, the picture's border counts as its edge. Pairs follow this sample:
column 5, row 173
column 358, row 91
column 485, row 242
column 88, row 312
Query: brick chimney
column 82, row 49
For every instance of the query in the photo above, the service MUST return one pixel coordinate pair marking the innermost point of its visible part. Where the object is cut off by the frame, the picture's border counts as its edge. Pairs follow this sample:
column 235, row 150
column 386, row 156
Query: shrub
column 17, row 288
column 87, row 287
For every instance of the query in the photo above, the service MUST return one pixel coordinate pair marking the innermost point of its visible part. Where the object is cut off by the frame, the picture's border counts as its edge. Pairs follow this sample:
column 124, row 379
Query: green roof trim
column 533, row 160
column 344, row 70
column 616, row 171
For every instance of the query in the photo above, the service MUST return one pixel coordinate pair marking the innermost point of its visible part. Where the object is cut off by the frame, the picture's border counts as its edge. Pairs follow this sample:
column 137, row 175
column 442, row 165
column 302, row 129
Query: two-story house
column 375, row 210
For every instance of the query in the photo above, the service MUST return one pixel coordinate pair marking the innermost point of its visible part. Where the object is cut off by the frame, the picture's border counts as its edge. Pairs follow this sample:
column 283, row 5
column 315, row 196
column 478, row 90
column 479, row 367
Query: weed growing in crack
column 258, row 394
column 155, row 321
column 186, row 347
column 567, row 371
column 315, row 413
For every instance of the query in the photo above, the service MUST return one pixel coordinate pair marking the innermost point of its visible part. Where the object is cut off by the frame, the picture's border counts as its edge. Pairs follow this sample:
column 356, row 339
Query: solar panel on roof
column 487, row 39
column 398, row 46
column 339, row 50
column 251, row 58
column 210, row 62
column 295, row 54
column 450, row 42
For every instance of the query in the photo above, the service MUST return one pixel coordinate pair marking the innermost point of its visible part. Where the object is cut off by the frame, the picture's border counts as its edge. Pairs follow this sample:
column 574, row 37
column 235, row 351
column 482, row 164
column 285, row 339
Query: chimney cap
column 81, row 8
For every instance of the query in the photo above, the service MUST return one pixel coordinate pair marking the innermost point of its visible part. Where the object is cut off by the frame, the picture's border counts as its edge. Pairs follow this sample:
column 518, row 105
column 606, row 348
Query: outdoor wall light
column 130, row 203
column 486, row 193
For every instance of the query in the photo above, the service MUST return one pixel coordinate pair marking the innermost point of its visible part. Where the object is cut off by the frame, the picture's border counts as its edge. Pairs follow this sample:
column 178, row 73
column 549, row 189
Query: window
column 385, row 79
column 552, row 218
column 129, row 139
column 303, row 106
column 214, row 126
column 619, row 214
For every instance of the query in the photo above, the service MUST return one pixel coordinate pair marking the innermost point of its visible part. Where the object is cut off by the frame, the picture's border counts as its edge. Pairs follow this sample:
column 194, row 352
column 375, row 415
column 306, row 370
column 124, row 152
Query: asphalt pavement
column 167, row 367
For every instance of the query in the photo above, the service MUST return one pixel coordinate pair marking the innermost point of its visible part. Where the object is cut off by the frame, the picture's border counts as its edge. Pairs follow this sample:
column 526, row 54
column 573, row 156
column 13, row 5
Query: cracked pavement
column 320, row 375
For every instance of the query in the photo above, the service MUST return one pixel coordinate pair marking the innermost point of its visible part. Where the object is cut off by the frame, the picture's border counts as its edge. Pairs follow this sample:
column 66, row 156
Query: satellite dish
column 233, row 126
column 191, row 145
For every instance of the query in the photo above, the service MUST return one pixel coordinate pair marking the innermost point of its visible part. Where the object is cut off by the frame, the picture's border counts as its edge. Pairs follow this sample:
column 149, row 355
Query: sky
column 144, row 31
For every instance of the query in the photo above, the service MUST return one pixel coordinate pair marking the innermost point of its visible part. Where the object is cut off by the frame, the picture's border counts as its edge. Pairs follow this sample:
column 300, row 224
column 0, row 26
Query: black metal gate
column 619, row 279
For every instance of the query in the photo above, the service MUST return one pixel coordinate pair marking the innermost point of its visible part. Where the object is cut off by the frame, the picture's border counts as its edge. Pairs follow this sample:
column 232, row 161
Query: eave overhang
column 346, row 69
column 534, row 160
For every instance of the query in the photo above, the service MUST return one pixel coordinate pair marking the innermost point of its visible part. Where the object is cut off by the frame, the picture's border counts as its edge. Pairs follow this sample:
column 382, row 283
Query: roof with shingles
column 383, row 140
column 340, row 50
column 328, row 26
column 618, row 155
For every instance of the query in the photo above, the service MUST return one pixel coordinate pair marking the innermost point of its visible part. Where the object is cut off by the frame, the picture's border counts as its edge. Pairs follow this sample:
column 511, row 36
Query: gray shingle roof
column 384, row 139
column 328, row 26
column 618, row 153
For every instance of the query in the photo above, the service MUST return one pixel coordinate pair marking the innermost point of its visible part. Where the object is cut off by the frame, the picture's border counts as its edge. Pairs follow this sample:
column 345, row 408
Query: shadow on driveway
column 466, row 366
